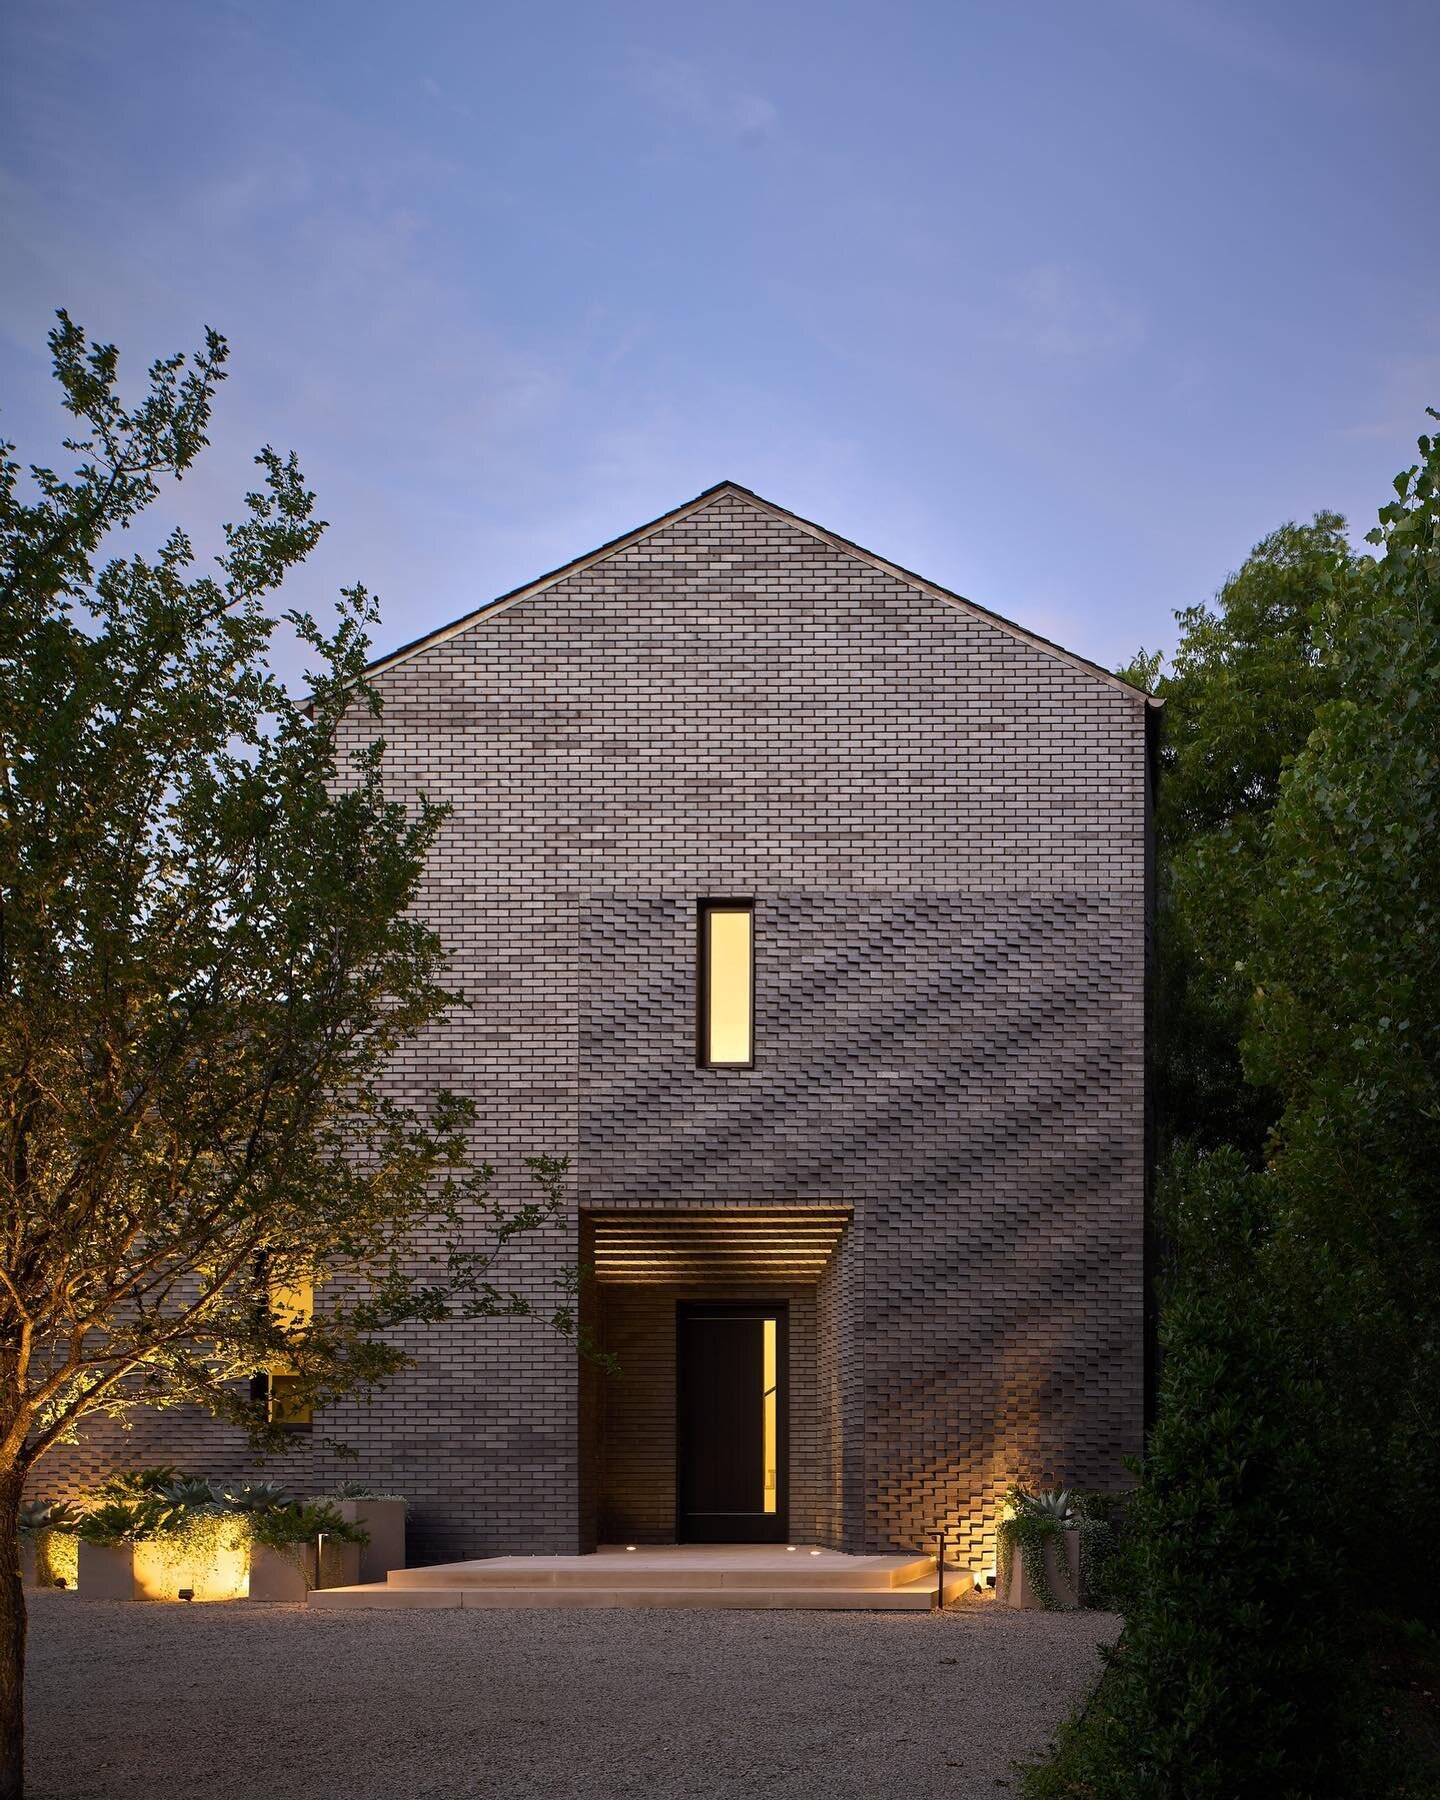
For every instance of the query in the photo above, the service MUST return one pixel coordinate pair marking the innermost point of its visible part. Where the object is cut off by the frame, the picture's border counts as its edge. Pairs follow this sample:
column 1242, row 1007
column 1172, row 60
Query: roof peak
column 822, row 533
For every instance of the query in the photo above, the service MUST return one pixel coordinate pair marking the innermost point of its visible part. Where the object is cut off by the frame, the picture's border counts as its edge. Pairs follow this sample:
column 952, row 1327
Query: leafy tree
column 1344, row 1025
column 207, row 960
column 1226, row 1682
column 1297, row 1446
column 1240, row 702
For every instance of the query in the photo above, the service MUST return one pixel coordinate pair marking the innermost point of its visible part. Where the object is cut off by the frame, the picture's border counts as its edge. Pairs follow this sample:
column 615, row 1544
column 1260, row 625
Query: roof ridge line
column 848, row 546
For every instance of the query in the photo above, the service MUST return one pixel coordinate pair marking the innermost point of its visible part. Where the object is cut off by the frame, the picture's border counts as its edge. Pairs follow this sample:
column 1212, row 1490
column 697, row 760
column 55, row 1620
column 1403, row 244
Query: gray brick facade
column 942, row 823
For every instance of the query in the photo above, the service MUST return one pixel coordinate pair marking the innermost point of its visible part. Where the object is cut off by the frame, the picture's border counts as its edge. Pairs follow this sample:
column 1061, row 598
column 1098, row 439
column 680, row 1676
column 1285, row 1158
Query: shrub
column 1043, row 1517
column 111, row 1522
column 284, row 1527
column 1233, row 1678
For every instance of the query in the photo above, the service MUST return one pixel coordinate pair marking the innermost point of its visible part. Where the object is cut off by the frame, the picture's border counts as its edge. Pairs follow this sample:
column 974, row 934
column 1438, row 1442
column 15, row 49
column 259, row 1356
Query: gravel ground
column 242, row 1702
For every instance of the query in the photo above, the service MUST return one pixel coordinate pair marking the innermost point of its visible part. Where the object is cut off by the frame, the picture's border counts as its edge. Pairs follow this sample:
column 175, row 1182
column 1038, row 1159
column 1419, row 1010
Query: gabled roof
column 494, row 607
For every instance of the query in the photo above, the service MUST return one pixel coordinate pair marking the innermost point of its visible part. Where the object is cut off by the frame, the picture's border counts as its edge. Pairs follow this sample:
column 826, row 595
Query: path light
column 186, row 1594
column 790, row 1548
column 814, row 1552
column 629, row 1546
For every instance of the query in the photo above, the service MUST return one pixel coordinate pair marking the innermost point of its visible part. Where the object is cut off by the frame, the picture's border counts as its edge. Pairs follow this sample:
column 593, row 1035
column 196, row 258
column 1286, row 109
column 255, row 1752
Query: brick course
column 943, row 827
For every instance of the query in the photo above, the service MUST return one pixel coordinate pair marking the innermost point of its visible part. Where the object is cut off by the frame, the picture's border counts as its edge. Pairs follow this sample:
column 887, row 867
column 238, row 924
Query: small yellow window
column 292, row 1308
column 727, row 983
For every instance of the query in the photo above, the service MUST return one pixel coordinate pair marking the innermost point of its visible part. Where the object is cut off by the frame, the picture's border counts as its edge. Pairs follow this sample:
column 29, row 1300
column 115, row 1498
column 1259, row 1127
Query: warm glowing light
column 292, row 1308
column 770, row 1379
column 728, row 967
column 629, row 1546
column 212, row 1561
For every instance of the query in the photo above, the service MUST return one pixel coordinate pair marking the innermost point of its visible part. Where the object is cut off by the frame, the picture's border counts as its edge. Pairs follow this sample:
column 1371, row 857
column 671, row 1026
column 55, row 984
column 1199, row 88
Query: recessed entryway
column 732, row 1420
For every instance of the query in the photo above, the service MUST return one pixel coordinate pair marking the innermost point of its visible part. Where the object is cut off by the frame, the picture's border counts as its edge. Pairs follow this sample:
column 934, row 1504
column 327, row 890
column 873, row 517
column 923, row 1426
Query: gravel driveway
column 242, row 1702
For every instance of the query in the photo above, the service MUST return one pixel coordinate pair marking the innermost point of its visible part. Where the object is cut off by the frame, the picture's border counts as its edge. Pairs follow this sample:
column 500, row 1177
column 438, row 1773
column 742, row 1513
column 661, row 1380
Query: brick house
column 804, row 905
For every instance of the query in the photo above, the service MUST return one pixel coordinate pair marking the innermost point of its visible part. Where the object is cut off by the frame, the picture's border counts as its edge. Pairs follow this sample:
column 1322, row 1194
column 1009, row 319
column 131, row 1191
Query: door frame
column 779, row 1310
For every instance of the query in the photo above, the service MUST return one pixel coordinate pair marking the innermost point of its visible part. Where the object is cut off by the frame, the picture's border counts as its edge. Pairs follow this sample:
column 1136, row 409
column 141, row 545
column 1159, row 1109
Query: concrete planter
column 385, row 1521
column 285, row 1577
column 107, row 1571
column 159, row 1570
column 1063, row 1576
column 47, row 1559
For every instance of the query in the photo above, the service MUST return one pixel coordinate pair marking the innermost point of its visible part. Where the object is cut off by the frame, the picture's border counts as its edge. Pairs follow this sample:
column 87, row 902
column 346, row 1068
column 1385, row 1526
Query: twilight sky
column 1062, row 305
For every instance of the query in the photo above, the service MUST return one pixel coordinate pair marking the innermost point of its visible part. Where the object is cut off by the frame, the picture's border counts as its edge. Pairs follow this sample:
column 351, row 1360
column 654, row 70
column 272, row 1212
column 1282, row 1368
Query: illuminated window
column 291, row 1308
column 727, row 983
column 770, row 1402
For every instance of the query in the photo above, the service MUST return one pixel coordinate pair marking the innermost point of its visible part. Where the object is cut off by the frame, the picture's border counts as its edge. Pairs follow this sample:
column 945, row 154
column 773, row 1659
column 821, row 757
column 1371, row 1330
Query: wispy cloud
column 446, row 101
column 685, row 91
column 1403, row 387
column 1061, row 311
column 1244, row 39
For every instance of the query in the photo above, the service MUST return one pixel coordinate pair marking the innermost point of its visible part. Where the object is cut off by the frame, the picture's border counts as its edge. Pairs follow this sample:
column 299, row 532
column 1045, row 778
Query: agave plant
column 257, row 1496
column 50, row 1515
column 192, row 1491
column 1057, row 1504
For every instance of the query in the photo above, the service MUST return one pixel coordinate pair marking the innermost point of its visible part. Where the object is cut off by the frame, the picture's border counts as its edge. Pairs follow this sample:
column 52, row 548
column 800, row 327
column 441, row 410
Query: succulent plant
column 257, row 1496
column 126, row 1521
column 192, row 1491
column 1045, row 1503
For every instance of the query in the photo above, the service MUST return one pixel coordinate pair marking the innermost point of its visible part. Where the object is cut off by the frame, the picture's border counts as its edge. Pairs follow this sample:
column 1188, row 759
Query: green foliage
column 209, row 957
column 1042, row 1518
column 1102, row 1576
column 194, row 1492
column 360, row 1490
column 111, row 1522
column 1030, row 1533
column 284, row 1527
column 1227, row 1681
column 1240, row 701
column 49, row 1515
column 130, row 1484
column 1297, row 1445
column 57, row 1555
column 256, row 1496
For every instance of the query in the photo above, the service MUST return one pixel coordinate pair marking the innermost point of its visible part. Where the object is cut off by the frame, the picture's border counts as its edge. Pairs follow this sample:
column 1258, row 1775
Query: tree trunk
column 12, row 1640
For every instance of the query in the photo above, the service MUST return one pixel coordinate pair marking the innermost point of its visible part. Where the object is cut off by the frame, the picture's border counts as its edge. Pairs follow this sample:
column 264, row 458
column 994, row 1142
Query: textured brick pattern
column 943, row 827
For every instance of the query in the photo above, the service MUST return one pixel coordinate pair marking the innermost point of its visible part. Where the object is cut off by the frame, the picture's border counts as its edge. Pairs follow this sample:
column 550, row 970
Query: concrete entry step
column 730, row 1576
column 681, row 1567
column 914, row 1596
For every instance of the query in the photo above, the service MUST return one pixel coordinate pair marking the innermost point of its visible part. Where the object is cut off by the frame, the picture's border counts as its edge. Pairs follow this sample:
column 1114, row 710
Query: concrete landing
column 742, row 1576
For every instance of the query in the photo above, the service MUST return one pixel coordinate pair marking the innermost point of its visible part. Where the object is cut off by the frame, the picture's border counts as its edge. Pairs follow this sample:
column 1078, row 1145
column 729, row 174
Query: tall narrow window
column 277, row 1387
column 727, row 983
column 769, row 1403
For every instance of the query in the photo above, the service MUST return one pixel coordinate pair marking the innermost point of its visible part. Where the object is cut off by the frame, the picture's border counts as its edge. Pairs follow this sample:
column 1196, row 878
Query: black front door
column 731, row 1367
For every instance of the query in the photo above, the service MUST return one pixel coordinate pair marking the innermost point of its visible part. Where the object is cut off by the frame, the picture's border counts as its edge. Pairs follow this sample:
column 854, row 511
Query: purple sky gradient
column 1062, row 305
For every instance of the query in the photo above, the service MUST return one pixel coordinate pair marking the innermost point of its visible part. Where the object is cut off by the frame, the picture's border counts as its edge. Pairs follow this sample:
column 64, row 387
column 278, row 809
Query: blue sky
column 1063, row 305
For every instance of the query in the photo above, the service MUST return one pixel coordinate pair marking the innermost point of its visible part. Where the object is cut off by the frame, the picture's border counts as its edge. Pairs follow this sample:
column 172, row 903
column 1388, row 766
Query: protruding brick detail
column 943, row 828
